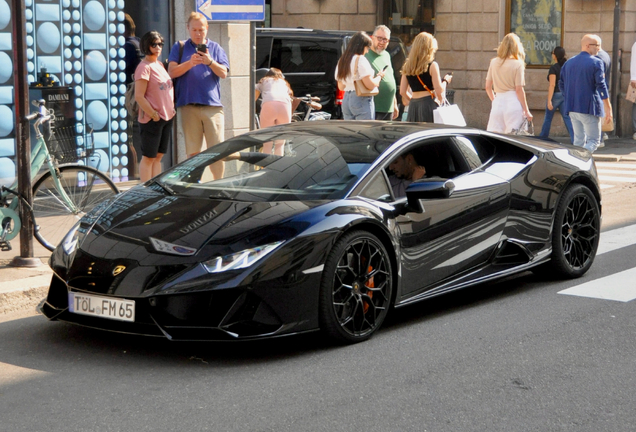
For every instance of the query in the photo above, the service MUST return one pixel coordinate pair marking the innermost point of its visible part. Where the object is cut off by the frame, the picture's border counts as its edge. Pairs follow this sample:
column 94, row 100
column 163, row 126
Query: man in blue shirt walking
column 583, row 84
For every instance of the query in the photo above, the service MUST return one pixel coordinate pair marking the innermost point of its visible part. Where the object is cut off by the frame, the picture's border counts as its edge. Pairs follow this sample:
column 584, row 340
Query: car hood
column 182, row 227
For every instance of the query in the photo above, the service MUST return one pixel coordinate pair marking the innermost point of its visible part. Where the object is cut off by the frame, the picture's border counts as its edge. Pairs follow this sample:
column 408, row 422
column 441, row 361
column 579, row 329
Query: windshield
column 276, row 166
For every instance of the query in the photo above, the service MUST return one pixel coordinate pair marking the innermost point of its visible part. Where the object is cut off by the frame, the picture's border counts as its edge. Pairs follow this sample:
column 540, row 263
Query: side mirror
column 429, row 188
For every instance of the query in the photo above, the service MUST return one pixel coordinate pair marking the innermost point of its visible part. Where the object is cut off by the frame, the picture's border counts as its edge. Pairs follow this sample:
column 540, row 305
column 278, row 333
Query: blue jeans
column 356, row 107
column 587, row 130
column 557, row 104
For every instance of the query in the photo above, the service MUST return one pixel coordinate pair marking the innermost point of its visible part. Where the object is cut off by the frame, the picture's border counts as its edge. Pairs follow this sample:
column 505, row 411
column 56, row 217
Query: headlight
column 239, row 260
column 70, row 240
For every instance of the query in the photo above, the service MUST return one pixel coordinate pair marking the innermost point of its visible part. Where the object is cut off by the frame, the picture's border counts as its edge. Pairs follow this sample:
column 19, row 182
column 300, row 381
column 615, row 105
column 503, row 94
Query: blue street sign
column 232, row 10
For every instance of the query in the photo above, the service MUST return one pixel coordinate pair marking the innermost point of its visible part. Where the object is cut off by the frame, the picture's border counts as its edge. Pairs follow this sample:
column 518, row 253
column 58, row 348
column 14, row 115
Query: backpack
column 130, row 103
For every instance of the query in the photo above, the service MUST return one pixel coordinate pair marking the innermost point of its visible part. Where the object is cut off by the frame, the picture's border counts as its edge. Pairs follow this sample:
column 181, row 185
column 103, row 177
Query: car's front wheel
column 356, row 288
column 576, row 232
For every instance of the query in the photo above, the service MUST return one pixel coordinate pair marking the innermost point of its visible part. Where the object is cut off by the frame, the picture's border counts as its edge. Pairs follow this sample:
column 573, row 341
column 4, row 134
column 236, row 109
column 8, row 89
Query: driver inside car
column 405, row 170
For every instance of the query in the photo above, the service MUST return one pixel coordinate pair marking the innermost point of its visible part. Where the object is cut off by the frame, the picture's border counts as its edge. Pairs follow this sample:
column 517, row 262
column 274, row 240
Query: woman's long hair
column 511, row 46
column 356, row 46
column 422, row 54
column 559, row 53
column 275, row 73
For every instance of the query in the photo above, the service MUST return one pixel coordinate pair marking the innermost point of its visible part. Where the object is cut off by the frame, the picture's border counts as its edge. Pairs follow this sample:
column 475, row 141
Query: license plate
column 103, row 307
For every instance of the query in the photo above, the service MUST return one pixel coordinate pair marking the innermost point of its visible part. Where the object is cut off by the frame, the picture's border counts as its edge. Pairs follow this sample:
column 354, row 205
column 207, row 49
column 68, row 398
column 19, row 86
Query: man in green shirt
column 386, row 107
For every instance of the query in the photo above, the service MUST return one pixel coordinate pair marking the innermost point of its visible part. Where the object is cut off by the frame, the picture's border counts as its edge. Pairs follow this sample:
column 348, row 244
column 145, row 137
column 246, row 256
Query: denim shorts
column 356, row 107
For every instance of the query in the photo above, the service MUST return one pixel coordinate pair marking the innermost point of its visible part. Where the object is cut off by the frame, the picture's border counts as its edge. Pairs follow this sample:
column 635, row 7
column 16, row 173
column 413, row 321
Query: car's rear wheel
column 576, row 232
column 356, row 288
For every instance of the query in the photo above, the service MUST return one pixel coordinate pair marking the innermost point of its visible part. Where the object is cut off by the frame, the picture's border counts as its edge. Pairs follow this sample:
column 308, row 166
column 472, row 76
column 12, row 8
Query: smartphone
column 384, row 68
column 202, row 48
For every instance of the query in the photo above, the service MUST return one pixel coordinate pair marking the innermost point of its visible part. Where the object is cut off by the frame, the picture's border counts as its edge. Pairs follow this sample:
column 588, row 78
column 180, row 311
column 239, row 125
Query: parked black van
column 308, row 59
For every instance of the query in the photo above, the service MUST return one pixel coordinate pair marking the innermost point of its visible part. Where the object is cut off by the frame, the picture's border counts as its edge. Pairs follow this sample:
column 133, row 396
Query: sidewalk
column 22, row 288
column 615, row 150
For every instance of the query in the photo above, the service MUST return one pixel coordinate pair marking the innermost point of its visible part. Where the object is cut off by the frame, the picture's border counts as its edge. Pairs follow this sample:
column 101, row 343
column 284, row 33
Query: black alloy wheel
column 356, row 288
column 576, row 232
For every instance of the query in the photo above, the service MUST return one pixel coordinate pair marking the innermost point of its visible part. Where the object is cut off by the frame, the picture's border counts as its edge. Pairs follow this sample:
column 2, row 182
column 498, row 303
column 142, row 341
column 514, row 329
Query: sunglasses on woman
column 156, row 44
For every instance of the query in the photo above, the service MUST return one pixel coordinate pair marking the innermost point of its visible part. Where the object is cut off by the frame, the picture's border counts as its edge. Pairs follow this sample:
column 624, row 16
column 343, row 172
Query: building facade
column 80, row 42
column 469, row 31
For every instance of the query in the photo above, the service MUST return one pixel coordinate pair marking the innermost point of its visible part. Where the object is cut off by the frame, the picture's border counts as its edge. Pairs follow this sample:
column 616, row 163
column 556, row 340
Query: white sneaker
column 634, row 136
column 602, row 144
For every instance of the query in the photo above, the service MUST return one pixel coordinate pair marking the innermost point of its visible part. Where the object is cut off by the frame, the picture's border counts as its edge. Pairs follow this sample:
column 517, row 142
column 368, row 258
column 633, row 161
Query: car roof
column 332, row 34
column 283, row 30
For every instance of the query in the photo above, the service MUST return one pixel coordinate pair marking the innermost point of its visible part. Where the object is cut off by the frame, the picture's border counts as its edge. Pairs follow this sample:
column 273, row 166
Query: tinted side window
column 263, row 49
column 475, row 149
column 377, row 189
column 297, row 56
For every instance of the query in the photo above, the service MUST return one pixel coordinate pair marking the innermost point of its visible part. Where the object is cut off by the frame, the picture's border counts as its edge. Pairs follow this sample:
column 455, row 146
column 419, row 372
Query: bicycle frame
column 39, row 156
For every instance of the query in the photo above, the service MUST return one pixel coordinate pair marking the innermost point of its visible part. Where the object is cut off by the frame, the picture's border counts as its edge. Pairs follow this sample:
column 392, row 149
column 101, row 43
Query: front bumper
column 249, row 312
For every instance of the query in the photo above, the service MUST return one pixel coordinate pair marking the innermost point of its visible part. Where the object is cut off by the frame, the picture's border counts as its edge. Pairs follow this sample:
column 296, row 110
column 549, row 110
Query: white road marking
column 615, row 164
column 617, row 179
column 616, row 171
column 617, row 287
column 611, row 174
column 617, row 239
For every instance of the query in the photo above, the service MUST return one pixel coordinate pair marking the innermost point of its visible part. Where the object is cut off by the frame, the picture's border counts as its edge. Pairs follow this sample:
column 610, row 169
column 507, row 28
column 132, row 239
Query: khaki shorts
column 198, row 121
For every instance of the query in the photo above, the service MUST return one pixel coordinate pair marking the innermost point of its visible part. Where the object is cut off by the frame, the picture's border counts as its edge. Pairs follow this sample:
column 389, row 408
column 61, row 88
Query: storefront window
column 407, row 18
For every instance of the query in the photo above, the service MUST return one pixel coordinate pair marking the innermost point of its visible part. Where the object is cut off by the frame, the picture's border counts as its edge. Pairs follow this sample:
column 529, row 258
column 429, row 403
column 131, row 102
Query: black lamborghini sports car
column 313, row 226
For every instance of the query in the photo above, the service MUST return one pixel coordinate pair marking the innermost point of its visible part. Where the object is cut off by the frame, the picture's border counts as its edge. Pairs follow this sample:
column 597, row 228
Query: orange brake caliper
column 369, row 284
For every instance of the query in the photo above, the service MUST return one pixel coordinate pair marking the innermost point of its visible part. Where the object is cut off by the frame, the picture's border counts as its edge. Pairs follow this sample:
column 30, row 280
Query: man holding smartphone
column 199, row 67
column 386, row 107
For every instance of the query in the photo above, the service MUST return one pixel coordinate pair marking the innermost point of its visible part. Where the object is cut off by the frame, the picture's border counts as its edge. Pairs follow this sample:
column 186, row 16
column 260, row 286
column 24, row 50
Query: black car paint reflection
column 489, row 212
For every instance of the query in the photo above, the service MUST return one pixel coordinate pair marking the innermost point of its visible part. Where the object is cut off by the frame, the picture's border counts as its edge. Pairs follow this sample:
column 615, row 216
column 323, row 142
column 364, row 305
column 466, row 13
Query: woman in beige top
column 506, row 76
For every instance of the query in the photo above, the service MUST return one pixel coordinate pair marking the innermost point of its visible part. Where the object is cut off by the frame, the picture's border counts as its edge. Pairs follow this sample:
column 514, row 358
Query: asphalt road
column 508, row 356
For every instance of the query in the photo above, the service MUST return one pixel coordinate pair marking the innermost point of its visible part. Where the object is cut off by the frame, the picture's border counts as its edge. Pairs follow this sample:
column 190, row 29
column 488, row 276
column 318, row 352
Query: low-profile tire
column 576, row 233
column 356, row 288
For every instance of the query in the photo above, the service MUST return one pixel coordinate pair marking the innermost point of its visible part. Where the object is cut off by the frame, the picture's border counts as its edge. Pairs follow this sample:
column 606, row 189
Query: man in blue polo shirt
column 199, row 71
column 583, row 85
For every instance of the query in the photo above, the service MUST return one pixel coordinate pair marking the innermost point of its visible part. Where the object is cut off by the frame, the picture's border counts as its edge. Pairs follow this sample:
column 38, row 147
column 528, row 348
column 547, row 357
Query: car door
column 452, row 234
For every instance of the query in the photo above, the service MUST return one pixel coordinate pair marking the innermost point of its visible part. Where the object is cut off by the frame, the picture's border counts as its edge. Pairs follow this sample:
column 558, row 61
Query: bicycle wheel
column 54, row 217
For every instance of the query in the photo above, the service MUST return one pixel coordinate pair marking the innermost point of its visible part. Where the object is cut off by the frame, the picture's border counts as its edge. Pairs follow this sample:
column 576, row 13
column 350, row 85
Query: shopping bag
column 631, row 94
column 526, row 128
column 449, row 115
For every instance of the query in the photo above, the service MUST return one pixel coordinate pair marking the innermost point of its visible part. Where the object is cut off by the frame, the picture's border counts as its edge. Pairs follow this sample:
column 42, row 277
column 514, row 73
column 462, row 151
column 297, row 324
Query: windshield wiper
column 165, row 187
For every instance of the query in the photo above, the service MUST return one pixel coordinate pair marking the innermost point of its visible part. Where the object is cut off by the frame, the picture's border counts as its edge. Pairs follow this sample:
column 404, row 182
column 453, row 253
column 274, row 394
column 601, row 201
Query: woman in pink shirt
column 155, row 96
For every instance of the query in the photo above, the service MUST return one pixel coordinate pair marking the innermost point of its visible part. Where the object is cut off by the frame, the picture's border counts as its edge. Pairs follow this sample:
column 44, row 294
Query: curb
column 606, row 158
column 22, row 300
column 22, row 294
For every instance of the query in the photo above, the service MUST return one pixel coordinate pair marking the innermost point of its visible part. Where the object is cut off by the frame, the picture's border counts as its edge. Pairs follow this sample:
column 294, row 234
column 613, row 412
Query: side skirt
column 475, row 277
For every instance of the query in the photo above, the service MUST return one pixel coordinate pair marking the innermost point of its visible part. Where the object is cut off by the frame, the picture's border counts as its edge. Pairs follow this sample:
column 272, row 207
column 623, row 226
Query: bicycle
column 310, row 103
column 63, row 193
